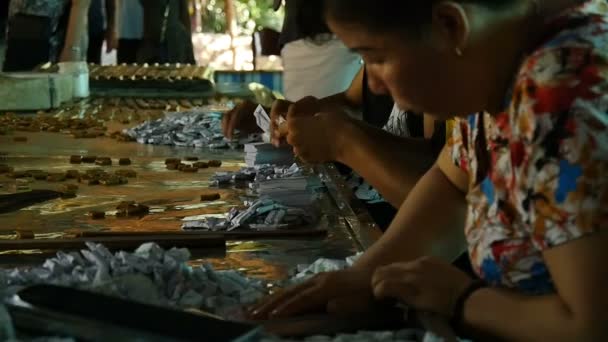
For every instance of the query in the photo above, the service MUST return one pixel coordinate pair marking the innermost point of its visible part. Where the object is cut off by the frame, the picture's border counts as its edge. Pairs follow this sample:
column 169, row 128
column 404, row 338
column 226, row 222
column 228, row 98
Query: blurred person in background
column 167, row 32
column 40, row 31
column 102, row 25
column 3, row 18
column 129, row 30
column 310, row 52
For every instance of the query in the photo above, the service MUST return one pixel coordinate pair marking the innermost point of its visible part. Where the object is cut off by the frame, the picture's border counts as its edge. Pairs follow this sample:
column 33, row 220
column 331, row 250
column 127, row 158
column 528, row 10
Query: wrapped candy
column 201, row 128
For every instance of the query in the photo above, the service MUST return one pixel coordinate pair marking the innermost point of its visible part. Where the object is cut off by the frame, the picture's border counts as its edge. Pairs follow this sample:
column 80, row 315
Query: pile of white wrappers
column 193, row 129
column 263, row 214
column 149, row 275
column 284, row 200
column 256, row 174
column 162, row 277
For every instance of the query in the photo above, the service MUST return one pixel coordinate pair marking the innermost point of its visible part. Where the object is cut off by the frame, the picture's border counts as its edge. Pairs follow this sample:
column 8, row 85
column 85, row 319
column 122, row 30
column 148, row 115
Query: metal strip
column 357, row 219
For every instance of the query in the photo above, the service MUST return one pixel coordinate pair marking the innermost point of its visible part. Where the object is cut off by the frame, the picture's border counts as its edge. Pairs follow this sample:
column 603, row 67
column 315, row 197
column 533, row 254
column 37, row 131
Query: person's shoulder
column 562, row 85
column 577, row 42
column 569, row 66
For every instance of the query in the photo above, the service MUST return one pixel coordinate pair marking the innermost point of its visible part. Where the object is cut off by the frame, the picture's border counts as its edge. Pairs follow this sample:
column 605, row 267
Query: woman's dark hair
column 310, row 18
column 391, row 15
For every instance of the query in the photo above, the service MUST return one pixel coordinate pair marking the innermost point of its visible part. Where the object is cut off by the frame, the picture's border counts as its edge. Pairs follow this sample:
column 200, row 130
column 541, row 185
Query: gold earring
column 458, row 52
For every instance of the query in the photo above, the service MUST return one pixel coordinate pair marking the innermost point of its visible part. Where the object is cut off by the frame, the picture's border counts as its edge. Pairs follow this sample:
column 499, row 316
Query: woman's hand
column 320, row 138
column 111, row 40
column 339, row 292
column 308, row 106
column 70, row 54
column 240, row 118
column 427, row 284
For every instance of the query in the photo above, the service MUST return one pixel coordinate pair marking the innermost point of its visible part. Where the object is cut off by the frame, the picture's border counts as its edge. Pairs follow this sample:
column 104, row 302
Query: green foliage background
column 250, row 15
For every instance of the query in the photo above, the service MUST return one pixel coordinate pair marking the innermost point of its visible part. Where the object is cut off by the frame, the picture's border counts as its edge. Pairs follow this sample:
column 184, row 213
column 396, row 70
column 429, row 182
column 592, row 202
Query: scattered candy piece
column 124, row 161
column 210, row 197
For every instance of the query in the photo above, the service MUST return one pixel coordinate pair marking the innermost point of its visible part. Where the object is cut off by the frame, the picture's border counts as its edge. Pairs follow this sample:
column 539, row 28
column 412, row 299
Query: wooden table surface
column 171, row 195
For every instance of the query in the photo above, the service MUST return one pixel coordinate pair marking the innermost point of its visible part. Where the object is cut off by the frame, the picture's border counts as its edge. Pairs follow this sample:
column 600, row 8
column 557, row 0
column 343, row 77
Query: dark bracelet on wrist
column 457, row 319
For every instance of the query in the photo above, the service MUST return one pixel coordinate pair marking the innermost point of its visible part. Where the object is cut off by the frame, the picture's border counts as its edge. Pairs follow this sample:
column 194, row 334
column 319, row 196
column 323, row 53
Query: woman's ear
column 450, row 27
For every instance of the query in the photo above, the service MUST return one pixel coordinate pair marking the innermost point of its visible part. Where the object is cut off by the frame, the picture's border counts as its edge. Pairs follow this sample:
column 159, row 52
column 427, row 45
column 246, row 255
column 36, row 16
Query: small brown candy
column 75, row 159
column 56, row 177
column 124, row 205
column 18, row 174
column 103, row 161
column 201, row 165
column 131, row 210
column 97, row 215
column 215, row 163
column 96, row 171
column 69, row 187
column 25, row 234
column 172, row 161
column 124, row 161
column 126, row 173
column 5, row 169
column 30, row 173
column 93, row 181
column 72, row 174
column 210, row 197
column 68, row 194
column 191, row 158
column 172, row 166
column 89, row 159
column 113, row 180
column 38, row 174
column 189, row 169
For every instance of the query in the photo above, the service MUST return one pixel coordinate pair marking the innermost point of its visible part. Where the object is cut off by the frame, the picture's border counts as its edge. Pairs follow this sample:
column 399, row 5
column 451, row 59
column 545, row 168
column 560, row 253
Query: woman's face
column 427, row 73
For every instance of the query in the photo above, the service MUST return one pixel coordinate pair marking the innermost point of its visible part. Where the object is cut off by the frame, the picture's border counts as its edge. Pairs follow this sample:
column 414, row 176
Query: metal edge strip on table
column 359, row 222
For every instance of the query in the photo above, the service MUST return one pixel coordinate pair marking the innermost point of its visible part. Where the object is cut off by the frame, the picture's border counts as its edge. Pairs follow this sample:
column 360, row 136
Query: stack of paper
column 292, row 191
column 262, row 153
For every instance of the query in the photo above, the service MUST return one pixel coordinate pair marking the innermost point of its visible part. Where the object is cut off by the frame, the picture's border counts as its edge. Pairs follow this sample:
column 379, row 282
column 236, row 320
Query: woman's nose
column 376, row 85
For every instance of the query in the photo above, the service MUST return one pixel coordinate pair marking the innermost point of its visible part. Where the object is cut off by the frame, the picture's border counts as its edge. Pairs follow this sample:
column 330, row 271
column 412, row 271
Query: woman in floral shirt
column 530, row 175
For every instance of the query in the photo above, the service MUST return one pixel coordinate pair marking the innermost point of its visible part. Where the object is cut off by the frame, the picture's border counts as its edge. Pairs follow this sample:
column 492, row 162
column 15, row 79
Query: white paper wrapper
column 201, row 128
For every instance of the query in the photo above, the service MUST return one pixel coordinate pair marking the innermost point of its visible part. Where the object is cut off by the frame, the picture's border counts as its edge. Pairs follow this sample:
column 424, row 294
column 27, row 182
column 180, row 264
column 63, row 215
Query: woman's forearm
column 527, row 318
column 391, row 164
column 77, row 25
column 418, row 230
column 350, row 100
column 111, row 13
column 339, row 102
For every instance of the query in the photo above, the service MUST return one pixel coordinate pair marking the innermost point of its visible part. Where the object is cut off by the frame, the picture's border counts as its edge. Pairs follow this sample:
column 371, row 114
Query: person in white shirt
column 310, row 53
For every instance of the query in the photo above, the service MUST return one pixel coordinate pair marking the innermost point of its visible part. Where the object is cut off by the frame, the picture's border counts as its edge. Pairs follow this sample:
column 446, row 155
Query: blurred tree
column 250, row 16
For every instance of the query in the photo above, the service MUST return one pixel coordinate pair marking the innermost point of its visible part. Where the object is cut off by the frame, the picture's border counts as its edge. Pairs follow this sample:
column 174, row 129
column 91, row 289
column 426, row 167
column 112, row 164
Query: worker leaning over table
column 390, row 149
column 531, row 175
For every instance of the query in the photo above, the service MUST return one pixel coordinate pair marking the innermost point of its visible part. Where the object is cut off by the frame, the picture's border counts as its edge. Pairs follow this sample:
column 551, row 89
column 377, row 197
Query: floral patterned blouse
column 539, row 171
